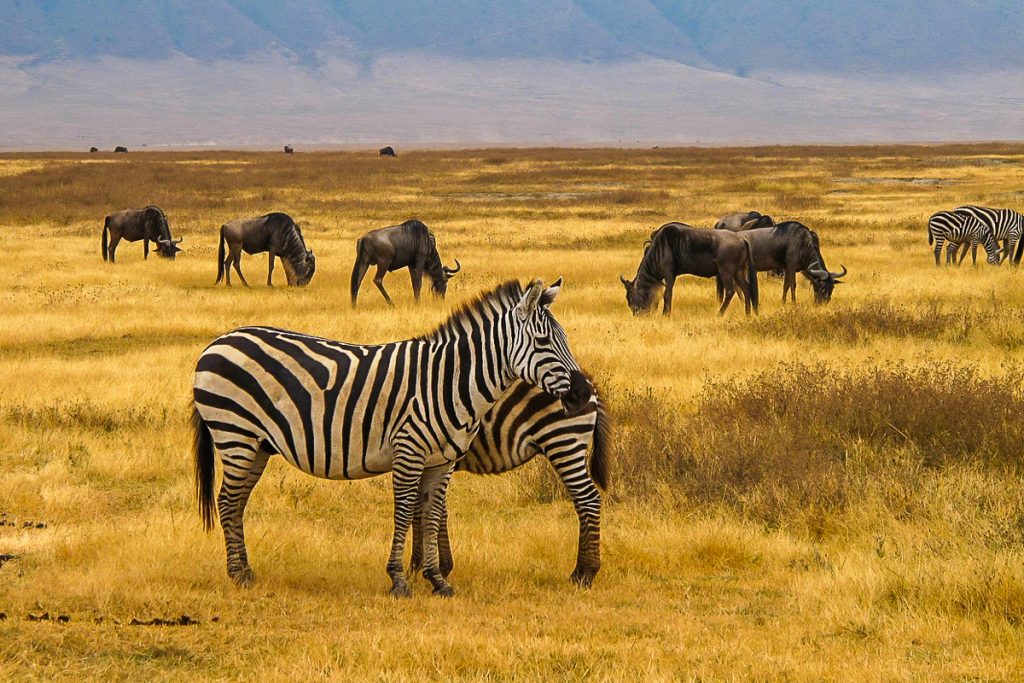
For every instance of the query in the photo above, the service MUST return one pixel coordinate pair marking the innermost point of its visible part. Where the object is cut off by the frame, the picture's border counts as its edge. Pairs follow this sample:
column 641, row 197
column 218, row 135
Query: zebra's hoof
column 582, row 579
column 445, row 591
column 400, row 589
column 242, row 578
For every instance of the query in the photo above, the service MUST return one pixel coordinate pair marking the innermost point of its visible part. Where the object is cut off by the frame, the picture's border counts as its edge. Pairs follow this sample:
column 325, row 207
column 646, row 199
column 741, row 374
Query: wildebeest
column 148, row 224
column 791, row 247
column 748, row 220
column 678, row 249
column 409, row 245
column 388, row 151
column 275, row 233
column 121, row 149
column 93, row 149
column 288, row 149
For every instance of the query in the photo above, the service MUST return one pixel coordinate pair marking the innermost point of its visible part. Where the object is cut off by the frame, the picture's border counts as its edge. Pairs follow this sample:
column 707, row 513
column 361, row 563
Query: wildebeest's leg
column 416, row 275
column 789, row 284
column 243, row 465
column 586, row 499
column 666, row 307
column 740, row 286
column 145, row 249
column 378, row 279
column 407, row 469
column 433, row 485
column 727, row 279
column 270, row 268
column 115, row 239
column 236, row 257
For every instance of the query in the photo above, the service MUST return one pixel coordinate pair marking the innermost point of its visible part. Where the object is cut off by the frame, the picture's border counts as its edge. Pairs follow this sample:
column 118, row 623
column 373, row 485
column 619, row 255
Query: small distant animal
column 678, row 249
column 275, row 233
column 791, row 247
column 524, row 423
column 148, row 224
column 409, row 245
column 749, row 220
column 960, row 229
column 388, row 151
column 93, row 150
column 1006, row 226
column 121, row 150
column 288, row 149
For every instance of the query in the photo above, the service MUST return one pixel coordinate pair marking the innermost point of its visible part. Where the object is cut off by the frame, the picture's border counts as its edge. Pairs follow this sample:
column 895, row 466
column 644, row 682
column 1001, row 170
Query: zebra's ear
column 528, row 304
column 548, row 297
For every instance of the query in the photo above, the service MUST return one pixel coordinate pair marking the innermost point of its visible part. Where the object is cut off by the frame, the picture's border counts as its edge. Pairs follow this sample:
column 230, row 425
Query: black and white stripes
column 346, row 411
column 958, row 229
column 1006, row 226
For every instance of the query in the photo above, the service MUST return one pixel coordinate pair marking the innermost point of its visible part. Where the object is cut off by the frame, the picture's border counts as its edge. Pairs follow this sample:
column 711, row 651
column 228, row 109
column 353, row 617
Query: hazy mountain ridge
column 745, row 36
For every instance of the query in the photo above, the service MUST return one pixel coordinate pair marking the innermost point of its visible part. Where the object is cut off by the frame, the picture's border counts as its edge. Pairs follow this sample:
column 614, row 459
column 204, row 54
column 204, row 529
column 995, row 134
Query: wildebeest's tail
column 751, row 276
column 220, row 258
column 202, row 450
column 357, row 271
column 103, row 239
column 599, row 456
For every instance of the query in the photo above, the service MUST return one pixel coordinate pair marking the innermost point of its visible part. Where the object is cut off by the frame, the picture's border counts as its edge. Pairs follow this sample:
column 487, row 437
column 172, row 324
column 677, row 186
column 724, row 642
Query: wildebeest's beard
column 640, row 297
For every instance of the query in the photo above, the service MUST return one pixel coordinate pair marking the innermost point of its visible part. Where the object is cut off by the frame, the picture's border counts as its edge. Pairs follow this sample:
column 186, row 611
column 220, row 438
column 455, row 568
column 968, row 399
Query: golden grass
column 815, row 493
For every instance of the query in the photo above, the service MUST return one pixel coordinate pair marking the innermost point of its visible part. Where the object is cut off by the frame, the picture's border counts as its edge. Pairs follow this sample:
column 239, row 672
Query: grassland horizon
column 818, row 492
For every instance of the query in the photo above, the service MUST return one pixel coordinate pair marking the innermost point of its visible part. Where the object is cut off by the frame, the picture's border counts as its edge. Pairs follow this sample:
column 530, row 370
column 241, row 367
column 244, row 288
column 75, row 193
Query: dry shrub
column 800, row 437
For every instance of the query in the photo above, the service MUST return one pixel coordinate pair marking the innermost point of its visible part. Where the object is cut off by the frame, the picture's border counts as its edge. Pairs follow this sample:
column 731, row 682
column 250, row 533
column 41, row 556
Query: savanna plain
column 814, row 493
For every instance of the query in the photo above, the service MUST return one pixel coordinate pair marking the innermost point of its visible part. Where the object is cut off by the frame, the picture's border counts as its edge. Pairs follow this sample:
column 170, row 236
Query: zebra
column 1006, row 226
column 958, row 229
column 348, row 411
column 524, row 423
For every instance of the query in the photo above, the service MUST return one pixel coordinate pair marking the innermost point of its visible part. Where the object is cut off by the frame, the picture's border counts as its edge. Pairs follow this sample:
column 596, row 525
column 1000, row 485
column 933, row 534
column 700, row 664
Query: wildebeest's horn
column 817, row 272
column 163, row 241
column 624, row 281
column 177, row 241
column 457, row 268
column 836, row 276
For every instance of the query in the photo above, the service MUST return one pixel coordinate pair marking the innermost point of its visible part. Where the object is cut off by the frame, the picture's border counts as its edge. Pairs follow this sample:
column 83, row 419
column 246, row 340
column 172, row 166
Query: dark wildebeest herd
column 493, row 387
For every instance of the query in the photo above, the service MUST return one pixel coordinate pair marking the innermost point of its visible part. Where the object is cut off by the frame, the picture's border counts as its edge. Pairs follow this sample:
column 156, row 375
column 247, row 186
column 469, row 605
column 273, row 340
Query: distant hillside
column 739, row 36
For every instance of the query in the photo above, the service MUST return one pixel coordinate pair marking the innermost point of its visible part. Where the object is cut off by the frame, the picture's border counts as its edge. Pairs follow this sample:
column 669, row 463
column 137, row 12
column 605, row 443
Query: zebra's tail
column 103, row 239
column 931, row 237
column 599, row 456
column 202, row 450
column 751, row 277
column 220, row 258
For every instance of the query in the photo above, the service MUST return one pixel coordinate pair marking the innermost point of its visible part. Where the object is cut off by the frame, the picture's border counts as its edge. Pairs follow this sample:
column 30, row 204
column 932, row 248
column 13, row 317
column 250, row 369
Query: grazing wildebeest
column 749, row 220
column 388, row 151
column 148, row 224
column 409, row 245
column 960, row 229
column 791, row 247
column 288, row 149
column 93, row 149
column 120, row 149
column 678, row 249
column 275, row 233
column 524, row 423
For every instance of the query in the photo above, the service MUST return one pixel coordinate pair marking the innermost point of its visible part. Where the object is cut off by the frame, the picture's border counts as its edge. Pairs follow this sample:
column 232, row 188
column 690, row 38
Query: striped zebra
column 1006, row 226
column 960, row 229
column 348, row 411
column 527, row 422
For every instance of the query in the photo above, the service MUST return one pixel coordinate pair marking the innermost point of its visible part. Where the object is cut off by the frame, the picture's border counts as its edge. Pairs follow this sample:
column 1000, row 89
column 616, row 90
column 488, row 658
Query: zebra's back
column 1004, row 223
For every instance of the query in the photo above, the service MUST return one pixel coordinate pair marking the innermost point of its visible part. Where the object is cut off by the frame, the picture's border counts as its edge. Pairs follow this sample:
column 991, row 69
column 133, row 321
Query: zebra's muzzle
column 578, row 395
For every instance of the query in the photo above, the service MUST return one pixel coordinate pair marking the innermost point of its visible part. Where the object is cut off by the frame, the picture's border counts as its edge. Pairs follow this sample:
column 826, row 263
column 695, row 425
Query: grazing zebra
column 348, row 411
column 1006, row 226
column 959, row 229
column 524, row 423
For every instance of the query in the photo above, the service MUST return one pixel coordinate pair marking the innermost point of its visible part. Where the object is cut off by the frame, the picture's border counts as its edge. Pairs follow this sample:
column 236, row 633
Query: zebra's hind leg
column 586, row 499
column 444, row 549
column 433, row 488
column 243, row 464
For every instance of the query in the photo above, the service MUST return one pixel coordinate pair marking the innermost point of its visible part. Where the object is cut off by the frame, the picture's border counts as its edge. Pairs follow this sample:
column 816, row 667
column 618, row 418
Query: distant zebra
column 960, row 229
column 348, row 411
column 1006, row 226
column 527, row 422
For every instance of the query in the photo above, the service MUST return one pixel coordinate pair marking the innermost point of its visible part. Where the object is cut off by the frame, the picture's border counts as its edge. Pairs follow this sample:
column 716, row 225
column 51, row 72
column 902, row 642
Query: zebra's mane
column 503, row 296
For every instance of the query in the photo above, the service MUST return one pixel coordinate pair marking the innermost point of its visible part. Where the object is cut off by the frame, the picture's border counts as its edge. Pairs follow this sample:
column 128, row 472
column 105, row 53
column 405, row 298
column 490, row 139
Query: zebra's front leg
column 243, row 466
column 586, row 499
column 444, row 548
column 433, row 488
column 407, row 472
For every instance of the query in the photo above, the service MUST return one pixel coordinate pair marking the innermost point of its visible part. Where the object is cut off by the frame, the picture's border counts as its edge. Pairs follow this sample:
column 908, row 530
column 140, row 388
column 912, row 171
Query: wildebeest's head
column 440, row 275
column 640, row 299
column 305, row 269
column 823, row 282
column 168, row 248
